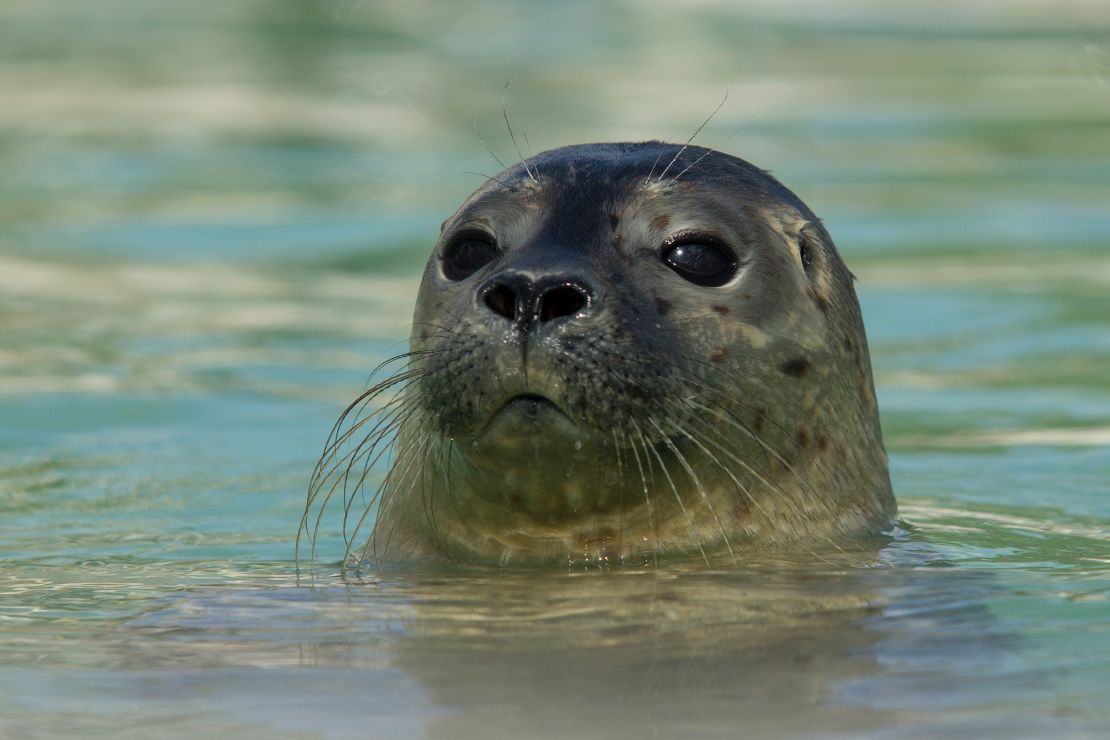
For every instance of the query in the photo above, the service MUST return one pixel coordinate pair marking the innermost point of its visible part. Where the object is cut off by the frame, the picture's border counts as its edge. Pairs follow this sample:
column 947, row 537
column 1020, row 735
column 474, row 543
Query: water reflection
column 675, row 652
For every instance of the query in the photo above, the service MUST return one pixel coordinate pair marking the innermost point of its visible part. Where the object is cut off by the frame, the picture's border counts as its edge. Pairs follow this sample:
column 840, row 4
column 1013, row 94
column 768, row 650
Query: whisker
column 647, row 500
column 653, row 166
column 489, row 178
column 484, row 144
column 674, row 490
column 692, row 137
column 697, row 484
column 620, row 502
column 692, row 165
column 397, row 476
column 505, row 114
column 799, row 520
column 334, row 470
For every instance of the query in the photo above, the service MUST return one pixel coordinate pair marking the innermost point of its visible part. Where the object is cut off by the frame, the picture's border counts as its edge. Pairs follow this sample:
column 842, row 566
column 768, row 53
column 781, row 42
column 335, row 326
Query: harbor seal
column 619, row 352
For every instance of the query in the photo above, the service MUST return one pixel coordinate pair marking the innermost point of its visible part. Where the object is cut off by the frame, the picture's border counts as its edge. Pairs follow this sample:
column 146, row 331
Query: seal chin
column 528, row 420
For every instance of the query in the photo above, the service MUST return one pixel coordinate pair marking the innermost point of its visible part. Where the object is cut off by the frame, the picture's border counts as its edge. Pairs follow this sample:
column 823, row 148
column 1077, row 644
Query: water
column 211, row 222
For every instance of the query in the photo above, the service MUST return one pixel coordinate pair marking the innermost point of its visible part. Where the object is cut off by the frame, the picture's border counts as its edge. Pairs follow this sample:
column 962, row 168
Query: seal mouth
column 530, row 404
column 532, row 436
column 528, row 415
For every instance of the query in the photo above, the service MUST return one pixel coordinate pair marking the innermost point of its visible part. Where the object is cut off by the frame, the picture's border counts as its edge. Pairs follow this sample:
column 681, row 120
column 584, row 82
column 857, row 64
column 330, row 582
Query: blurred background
column 213, row 217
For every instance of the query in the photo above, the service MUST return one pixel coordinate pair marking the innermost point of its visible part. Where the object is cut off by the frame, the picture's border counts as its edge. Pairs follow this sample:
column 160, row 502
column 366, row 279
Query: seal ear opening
column 811, row 250
column 805, row 253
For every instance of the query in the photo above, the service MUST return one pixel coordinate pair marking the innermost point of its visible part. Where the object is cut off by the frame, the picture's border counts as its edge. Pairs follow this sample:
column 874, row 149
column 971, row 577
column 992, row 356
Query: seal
column 618, row 352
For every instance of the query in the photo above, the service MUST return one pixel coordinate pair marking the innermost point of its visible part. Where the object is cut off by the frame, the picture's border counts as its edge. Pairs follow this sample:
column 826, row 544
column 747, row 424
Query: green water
column 212, row 219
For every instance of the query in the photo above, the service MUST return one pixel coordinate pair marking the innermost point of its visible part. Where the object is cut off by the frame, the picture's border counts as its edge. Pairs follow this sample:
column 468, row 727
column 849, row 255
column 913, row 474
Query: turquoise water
column 212, row 220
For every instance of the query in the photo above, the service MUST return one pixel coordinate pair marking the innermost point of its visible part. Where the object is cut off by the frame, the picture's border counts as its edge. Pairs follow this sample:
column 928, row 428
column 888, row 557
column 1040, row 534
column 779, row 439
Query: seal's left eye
column 466, row 255
column 700, row 262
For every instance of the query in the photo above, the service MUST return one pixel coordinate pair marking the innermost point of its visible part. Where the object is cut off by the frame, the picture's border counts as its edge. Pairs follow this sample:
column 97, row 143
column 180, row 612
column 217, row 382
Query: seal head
column 624, row 350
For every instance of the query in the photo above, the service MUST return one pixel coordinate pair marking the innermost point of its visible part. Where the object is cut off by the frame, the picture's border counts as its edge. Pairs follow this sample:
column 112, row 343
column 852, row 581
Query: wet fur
column 713, row 420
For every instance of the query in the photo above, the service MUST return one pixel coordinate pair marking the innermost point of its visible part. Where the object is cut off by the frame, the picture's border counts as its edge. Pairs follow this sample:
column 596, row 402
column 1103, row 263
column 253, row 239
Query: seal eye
column 466, row 255
column 701, row 262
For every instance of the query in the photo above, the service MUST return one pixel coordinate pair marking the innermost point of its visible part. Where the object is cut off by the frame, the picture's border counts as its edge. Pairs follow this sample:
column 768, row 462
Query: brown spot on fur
column 661, row 222
column 760, row 418
column 803, row 437
column 723, row 310
column 841, row 453
column 796, row 367
column 662, row 306
column 717, row 355
column 614, row 219
column 822, row 442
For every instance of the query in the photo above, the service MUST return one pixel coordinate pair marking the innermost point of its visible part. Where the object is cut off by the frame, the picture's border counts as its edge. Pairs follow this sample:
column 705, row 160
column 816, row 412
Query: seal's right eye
column 467, row 254
column 701, row 259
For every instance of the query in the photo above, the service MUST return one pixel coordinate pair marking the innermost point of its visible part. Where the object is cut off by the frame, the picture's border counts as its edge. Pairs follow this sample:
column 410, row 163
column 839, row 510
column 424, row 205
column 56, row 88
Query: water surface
column 212, row 221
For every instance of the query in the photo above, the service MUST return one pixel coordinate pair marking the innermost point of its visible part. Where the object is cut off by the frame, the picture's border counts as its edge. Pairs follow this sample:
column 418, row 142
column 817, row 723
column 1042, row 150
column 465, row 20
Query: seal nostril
column 564, row 300
column 502, row 300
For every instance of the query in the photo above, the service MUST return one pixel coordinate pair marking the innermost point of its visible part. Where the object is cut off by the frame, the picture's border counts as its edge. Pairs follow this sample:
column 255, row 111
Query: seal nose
column 528, row 302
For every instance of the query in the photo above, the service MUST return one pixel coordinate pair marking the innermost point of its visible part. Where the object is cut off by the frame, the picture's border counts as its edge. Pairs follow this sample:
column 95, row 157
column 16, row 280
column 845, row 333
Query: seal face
column 622, row 350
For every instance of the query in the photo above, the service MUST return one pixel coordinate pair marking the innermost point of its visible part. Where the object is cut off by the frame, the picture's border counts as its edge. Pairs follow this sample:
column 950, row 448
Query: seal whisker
column 653, row 166
column 690, row 166
column 647, row 500
column 336, row 440
column 801, row 523
column 768, row 449
column 509, row 126
column 332, row 445
column 329, row 464
column 484, row 144
column 445, row 453
column 489, row 178
column 348, row 493
column 426, row 500
column 755, row 473
column 709, row 439
column 692, row 137
column 697, row 483
column 674, row 489
column 620, row 504
column 382, row 497
column 416, row 473
column 787, row 434
column 814, row 498
column 380, row 416
column 386, row 420
column 397, row 358
column 744, row 490
column 386, row 435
